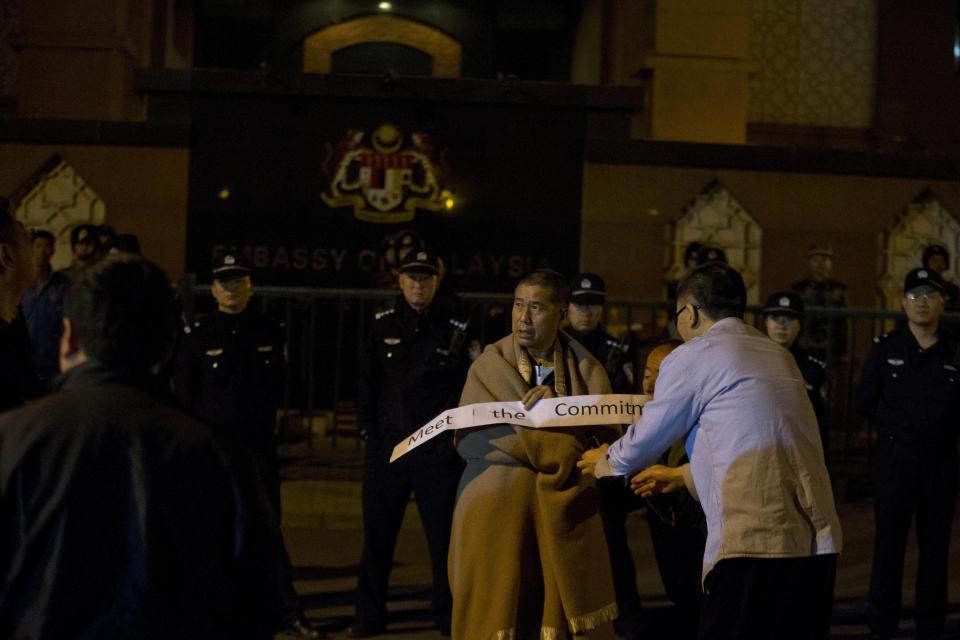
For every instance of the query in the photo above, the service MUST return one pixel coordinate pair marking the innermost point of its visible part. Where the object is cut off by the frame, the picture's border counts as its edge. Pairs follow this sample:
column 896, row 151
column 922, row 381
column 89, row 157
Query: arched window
column 925, row 221
column 716, row 219
column 380, row 43
column 57, row 198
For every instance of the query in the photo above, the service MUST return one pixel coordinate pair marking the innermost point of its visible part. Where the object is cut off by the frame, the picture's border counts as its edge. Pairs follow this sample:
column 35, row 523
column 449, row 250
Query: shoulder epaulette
column 817, row 361
column 383, row 314
column 197, row 323
column 878, row 339
column 613, row 343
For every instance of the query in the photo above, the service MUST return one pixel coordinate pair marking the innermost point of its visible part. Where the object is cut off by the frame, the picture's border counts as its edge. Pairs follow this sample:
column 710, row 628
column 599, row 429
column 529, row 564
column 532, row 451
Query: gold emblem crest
column 382, row 177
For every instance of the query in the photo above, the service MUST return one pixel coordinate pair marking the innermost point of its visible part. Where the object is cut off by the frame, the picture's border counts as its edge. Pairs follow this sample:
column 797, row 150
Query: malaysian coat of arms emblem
column 385, row 181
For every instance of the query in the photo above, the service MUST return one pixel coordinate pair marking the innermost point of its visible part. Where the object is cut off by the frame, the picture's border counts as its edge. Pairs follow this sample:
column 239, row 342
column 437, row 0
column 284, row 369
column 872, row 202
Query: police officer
column 910, row 389
column 83, row 243
column 822, row 337
column 587, row 302
column 783, row 317
column 678, row 527
column 587, row 299
column 228, row 372
column 412, row 368
column 937, row 258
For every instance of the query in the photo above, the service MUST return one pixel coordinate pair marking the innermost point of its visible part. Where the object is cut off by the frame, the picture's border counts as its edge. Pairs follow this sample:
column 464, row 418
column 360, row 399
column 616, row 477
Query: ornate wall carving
column 446, row 52
column 57, row 198
column 716, row 218
column 925, row 221
column 815, row 62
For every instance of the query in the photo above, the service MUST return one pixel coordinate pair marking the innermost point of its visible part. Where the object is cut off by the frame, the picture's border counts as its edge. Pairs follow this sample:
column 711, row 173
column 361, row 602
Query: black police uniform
column 228, row 372
column 823, row 336
column 912, row 395
column 812, row 367
column 814, row 372
column 678, row 531
column 615, row 356
column 412, row 368
column 616, row 501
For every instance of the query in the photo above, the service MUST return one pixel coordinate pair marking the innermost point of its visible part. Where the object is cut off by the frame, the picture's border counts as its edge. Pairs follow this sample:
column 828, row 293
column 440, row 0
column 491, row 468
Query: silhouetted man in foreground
column 18, row 378
column 118, row 515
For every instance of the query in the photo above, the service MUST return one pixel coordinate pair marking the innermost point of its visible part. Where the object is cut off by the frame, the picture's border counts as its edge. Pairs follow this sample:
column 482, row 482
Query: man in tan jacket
column 528, row 557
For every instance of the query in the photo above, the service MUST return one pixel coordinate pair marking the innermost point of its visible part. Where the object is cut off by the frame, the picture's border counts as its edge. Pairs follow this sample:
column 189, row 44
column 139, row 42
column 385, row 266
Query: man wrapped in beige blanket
column 528, row 557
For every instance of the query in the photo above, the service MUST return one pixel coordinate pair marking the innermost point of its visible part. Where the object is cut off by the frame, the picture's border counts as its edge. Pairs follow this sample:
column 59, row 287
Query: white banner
column 570, row 411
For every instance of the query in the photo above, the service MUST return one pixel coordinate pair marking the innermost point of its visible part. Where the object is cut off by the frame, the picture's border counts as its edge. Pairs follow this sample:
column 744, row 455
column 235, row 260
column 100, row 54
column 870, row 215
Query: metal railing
column 325, row 329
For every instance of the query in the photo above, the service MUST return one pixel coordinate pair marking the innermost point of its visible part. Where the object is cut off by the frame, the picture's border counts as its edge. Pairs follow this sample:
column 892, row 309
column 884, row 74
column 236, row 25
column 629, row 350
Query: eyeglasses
column 926, row 295
column 695, row 307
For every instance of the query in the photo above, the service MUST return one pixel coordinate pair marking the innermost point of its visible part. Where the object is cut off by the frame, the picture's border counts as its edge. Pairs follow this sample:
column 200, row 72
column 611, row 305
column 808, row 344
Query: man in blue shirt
column 756, row 466
column 42, row 306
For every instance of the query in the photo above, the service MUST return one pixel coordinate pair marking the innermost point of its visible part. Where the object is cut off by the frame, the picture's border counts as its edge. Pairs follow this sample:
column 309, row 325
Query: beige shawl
column 528, row 556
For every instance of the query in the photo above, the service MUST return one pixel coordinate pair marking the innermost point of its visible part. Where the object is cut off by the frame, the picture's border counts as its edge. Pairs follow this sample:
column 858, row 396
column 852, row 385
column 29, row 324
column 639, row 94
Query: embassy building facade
column 591, row 135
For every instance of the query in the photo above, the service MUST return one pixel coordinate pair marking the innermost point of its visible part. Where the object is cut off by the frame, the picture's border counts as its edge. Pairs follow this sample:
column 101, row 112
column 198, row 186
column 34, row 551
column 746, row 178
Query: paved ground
column 321, row 498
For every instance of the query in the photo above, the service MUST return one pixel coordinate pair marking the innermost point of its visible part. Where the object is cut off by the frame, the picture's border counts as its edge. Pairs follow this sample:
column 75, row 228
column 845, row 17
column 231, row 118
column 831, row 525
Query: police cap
column 784, row 303
column 923, row 278
column 820, row 249
column 420, row 261
column 587, row 288
column 230, row 266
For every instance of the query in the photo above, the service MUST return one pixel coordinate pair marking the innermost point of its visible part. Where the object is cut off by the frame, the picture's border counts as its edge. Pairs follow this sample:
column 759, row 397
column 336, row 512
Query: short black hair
column 715, row 287
column 122, row 310
column 43, row 233
column 551, row 279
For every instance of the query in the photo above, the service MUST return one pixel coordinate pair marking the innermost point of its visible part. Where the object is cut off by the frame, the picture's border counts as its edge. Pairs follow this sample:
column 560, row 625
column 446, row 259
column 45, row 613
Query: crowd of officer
column 228, row 369
column 386, row 397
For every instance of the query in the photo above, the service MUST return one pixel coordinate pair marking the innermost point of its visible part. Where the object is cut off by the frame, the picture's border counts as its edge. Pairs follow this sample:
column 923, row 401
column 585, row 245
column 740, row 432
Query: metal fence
column 325, row 328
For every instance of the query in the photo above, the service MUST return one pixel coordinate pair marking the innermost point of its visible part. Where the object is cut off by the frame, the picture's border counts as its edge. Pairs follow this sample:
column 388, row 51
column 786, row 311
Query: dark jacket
column 615, row 356
column 120, row 520
column 43, row 312
column 823, row 336
column 912, row 394
column 228, row 372
column 18, row 378
column 412, row 367
column 814, row 371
